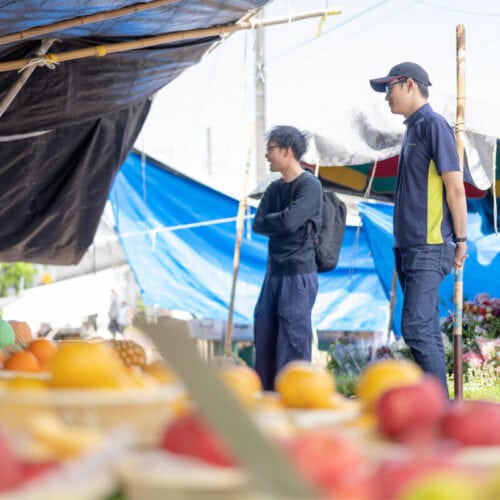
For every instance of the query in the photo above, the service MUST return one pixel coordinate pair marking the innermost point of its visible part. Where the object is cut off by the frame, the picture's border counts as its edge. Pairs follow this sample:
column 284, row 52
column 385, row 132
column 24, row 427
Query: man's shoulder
column 275, row 184
column 307, row 177
column 430, row 116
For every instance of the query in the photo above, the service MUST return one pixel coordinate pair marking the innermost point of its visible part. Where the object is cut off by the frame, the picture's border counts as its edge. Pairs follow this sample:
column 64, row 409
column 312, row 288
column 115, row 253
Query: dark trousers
column 420, row 271
column 282, row 323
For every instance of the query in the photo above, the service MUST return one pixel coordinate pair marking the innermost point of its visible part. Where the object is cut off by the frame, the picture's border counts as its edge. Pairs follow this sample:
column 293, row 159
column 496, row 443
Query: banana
column 64, row 441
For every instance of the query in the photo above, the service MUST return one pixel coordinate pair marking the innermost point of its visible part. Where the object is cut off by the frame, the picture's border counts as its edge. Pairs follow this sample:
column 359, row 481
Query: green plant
column 480, row 383
column 15, row 275
column 348, row 356
column 346, row 384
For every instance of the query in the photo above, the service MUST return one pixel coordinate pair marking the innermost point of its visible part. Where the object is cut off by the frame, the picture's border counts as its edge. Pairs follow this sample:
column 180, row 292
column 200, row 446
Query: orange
column 80, row 364
column 22, row 361
column 242, row 381
column 386, row 374
column 303, row 385
column 141, row 378
column 43, row 349
column 161, row 372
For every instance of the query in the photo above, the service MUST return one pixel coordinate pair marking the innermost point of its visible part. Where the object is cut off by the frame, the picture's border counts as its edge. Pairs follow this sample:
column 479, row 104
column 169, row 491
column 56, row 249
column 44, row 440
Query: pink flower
column 489, row 348
column 473, row 359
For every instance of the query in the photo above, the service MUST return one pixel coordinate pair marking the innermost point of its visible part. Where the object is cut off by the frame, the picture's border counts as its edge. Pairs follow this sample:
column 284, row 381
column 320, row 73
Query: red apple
column 33, row 470
column 394, row 477
column 412, row 412
column 335, row 465
column 473, row 423
column 10, row 467
column 190, row 435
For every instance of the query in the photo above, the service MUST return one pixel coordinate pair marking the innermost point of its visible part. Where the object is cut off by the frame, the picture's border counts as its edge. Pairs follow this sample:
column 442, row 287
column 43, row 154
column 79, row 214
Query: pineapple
column 130, row 352
column 22, row 331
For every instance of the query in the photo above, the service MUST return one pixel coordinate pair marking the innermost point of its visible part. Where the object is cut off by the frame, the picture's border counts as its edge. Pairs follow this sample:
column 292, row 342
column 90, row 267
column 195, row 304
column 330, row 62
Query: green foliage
column 13, row 274
column 346, row 384
column 479, row 384
column 348, row 356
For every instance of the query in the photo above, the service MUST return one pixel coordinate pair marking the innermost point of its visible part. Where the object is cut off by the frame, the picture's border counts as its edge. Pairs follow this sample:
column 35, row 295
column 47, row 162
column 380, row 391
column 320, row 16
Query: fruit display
column 303, row 385
column 385, row 374
column 400, row 438
column 243, row 382
column 411, row 447
column 130, row 352
column 412, row 412
column 7, row 335
column 22, row 331
column 473, row 423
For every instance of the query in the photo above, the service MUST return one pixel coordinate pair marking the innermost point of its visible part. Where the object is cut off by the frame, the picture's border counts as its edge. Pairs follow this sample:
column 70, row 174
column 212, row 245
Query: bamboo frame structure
column 83, row 20
column 458, row 287
column 113, row 48
column 18, row 85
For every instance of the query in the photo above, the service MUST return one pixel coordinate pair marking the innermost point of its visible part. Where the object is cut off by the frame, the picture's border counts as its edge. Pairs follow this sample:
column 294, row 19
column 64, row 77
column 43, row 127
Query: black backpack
column 328, row 239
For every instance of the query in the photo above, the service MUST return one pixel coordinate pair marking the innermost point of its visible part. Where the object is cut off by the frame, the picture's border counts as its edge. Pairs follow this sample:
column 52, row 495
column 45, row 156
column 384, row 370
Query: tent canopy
column 70, row 126
column 365, row 142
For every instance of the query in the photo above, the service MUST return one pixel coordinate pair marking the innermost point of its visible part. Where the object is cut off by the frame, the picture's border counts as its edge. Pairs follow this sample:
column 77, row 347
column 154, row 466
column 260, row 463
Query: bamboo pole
column 458, row 288
column 83, row 20
column 18, row 85
column 392, row 304
column 112, row 48
column 240, row 218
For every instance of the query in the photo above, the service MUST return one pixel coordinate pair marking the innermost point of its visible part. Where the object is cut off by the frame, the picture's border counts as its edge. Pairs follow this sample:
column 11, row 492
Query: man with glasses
column 288, row 209
column 430, row 212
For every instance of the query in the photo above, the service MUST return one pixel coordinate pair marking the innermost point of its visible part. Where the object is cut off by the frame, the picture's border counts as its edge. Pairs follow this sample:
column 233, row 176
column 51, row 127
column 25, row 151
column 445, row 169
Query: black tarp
column 69, row 129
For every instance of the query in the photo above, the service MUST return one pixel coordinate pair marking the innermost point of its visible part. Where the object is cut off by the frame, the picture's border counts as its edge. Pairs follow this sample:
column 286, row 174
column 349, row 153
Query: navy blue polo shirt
column 421, row 213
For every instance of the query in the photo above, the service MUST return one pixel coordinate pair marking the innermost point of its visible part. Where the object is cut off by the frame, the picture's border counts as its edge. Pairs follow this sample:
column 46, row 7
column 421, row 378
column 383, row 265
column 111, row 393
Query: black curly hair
column 286, row 136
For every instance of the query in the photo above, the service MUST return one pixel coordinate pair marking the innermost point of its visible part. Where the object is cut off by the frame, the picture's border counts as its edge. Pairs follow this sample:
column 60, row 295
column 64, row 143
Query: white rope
column 163, row 229
column 40, row 61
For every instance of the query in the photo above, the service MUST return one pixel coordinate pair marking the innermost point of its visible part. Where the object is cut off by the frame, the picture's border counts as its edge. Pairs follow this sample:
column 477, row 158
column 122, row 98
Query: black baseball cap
column 402, row 70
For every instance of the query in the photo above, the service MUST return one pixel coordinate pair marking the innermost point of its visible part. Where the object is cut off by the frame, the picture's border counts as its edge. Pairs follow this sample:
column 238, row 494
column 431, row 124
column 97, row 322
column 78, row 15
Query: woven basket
column 145, row 412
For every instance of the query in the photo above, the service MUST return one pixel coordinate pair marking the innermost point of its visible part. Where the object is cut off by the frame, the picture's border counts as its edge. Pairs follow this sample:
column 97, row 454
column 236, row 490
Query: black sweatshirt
column 285, row 214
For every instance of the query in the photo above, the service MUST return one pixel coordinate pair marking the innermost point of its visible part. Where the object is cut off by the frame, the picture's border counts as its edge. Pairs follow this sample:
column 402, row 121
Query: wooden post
column 240, row 219
column 458, row 289
column 260, row 101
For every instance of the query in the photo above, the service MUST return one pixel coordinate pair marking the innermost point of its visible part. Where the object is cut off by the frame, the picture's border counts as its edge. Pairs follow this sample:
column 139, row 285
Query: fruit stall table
column 90, row 426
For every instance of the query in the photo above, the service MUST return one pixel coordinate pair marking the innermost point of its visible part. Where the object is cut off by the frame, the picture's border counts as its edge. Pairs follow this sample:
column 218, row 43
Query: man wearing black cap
column 430, row 212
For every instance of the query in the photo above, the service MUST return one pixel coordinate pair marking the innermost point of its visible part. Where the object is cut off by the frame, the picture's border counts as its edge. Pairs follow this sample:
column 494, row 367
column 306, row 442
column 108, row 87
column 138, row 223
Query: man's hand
column 460, row 254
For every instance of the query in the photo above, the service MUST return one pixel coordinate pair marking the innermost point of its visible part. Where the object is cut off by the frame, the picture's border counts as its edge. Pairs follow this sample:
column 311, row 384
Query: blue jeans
column 282, row 323
column 421, row 269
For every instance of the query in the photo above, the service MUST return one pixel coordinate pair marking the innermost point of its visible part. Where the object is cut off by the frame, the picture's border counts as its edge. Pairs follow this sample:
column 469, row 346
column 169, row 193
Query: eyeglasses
column 389, row 87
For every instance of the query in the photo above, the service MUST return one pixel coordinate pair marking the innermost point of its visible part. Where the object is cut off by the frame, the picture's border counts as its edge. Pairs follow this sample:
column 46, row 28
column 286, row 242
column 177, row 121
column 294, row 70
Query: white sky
column 310, row 80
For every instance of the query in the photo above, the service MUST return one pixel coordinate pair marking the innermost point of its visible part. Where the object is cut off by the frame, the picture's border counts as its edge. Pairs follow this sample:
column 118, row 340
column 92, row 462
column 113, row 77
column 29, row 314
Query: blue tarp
column 179, row 236
column 481, row 270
